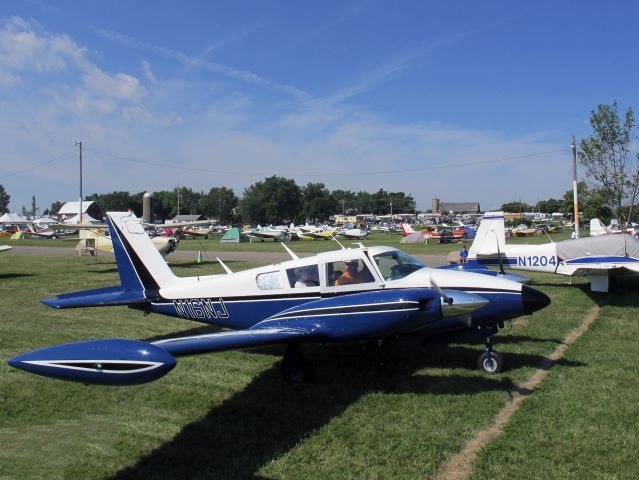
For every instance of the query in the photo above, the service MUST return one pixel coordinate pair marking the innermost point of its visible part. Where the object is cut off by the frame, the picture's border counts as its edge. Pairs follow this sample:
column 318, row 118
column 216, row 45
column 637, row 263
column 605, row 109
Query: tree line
column 274, row 200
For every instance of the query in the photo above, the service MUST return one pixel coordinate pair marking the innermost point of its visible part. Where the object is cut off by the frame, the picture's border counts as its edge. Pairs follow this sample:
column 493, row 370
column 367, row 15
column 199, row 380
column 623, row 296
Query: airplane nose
column 533, row 300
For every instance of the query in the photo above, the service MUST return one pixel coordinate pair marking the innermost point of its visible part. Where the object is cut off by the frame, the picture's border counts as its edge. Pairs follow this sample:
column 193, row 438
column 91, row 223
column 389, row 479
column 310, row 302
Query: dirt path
column 459, row 466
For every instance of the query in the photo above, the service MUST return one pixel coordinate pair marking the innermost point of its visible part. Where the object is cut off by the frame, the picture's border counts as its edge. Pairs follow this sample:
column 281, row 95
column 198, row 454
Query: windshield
column 395, row 265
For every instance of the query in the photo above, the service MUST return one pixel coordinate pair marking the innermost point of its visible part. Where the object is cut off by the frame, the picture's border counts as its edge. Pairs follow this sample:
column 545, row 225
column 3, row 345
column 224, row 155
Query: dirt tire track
column 459, row 466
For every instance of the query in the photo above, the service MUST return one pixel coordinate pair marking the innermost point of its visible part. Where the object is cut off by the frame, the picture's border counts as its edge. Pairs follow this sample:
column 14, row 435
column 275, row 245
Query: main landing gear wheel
column 492, row 364
column 295, row 366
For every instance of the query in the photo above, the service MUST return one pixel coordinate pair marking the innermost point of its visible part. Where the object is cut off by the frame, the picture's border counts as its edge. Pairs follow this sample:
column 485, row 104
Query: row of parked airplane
column 306, row 232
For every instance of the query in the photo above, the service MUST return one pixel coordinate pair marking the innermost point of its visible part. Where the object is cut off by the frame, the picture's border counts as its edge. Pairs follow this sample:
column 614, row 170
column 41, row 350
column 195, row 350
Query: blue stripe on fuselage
column 610, row 259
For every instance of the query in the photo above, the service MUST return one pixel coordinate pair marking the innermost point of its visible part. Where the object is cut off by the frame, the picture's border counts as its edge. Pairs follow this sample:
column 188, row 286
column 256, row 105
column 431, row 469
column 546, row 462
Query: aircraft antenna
column 226, row 269
column 544, row 230
column 290, row 252
column 333, row 237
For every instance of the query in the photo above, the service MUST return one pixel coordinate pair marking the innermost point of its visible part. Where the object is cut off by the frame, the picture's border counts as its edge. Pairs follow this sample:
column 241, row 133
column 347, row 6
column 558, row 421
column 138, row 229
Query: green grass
column 583, row 421
column 398, row 413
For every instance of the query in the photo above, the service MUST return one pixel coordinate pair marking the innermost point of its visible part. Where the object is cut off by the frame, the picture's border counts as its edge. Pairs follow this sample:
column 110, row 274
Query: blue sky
column 462, row 100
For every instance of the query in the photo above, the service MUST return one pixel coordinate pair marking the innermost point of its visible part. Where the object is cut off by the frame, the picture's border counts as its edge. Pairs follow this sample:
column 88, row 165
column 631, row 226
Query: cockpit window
column 269, row 281
column 395, row 265
column 301, row 277
column 348, row 272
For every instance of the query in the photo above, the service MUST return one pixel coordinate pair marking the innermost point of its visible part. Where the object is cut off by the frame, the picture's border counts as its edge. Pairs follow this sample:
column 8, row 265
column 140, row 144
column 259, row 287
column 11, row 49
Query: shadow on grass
column 270, row 416
column 15, row 275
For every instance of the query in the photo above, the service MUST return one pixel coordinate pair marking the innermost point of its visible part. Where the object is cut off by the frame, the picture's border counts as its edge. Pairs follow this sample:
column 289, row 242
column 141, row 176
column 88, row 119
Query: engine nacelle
column 111, row 361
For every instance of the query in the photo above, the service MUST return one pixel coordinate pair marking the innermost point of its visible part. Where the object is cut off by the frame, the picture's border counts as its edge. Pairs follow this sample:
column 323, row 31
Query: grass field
column 398, row 413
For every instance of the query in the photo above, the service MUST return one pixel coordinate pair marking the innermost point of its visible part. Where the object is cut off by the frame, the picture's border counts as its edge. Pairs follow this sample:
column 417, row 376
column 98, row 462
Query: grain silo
column 147, row 207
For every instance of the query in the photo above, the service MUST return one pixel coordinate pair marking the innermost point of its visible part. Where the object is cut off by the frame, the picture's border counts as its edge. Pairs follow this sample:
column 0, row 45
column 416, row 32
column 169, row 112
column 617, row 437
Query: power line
column 321, row 174
column 59, row 157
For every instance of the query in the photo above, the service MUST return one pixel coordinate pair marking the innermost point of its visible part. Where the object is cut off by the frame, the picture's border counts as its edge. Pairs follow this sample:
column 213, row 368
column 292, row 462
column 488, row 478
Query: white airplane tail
column 407, row 229
column 140, row 265
column 598, row 228
column 491, row 235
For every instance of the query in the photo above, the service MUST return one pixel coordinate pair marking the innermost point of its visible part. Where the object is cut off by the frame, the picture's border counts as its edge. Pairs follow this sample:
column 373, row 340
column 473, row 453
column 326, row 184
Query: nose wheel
column 491, row 362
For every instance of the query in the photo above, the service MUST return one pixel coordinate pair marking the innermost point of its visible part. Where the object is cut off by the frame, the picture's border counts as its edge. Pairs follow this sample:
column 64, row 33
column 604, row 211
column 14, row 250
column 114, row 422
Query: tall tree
column 345, row 200
column 274, row 200
column 55, row 207
column 516, row 207
column 605, row 154
column 220, row 203
column 4, row 200
column 317, row 203
column 34, row 207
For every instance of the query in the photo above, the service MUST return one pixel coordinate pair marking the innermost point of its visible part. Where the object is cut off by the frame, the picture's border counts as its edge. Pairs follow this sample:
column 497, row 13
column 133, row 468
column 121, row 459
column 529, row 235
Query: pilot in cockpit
column 305, row 277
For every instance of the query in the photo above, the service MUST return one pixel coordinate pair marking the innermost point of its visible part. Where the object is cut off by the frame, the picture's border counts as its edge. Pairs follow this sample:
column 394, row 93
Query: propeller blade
column 500, row 260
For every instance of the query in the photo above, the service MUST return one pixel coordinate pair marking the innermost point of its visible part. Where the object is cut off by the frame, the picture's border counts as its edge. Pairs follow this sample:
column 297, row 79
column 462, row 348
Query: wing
column 83, row 226
column 239, row 339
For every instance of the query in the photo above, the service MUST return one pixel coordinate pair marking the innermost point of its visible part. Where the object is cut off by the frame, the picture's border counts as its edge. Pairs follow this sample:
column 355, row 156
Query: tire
column 493, row 367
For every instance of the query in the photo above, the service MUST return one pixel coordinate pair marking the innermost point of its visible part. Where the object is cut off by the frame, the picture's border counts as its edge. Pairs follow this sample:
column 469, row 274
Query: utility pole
column 79, row 144
column 573, row 146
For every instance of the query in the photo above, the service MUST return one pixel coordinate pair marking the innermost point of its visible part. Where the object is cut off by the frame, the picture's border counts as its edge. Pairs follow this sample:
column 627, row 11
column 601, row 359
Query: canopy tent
column 86, row 218
column 234, row 235
column 44, row 221
column 13, row 218
column 414, row 238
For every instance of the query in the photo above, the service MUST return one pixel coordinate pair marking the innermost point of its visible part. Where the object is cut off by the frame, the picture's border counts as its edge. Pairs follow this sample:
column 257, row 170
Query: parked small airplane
column 456, row 234
column 523, row 231
column 361, row 294
column 598, row 258
column 268, row 233
column 353, row 233
column 597, row 228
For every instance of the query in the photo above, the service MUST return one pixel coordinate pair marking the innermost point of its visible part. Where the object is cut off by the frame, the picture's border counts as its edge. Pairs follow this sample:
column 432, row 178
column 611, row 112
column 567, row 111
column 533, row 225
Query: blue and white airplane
column 599, row 258
column 359, row 294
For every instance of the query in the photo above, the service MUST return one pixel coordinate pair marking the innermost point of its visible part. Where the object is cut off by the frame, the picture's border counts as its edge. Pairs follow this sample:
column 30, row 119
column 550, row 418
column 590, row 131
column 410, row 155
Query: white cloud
column 23, row 48
column 148, row 72
column 119, row 86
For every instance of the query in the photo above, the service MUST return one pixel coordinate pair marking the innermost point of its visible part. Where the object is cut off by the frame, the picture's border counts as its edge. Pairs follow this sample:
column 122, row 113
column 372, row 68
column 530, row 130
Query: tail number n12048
column 536, row 261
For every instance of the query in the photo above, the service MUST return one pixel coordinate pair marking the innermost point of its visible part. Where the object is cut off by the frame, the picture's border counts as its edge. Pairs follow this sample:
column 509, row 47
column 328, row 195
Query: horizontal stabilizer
column 98, row 297
column 238, row 339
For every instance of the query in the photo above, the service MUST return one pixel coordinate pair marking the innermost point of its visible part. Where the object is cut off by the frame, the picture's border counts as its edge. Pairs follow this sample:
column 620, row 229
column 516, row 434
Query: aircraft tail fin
column 491, row 235
column 140, row 265
column 407, row 229
column 142, row 269
column 598, row 228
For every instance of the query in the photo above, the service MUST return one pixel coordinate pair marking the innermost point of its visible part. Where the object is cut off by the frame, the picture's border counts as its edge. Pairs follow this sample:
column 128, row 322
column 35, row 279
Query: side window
column 385, row 264
column 348, row 272
column 301, row 277
column 269, row 281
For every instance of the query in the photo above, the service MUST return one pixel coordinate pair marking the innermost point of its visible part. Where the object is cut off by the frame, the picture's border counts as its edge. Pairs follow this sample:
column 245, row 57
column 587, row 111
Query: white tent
column 13, row 218
column 45, row 221
column 86, row 218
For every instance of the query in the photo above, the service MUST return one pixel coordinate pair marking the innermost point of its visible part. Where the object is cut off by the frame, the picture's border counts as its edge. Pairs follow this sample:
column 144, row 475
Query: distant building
column 71, row 209
column 186, row 218
column 443, row 208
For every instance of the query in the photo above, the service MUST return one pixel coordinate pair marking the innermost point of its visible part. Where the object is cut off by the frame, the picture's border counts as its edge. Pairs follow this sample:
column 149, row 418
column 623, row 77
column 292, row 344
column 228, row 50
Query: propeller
column 500, row 260
column 445, row 298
